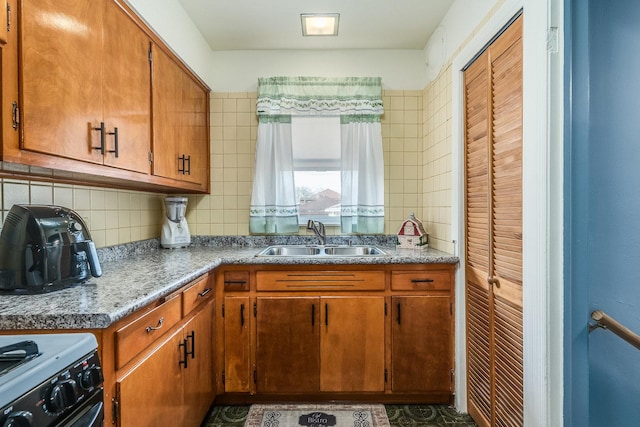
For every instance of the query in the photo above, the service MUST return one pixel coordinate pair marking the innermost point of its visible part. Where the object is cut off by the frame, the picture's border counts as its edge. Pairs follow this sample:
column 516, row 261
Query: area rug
column 317, row 415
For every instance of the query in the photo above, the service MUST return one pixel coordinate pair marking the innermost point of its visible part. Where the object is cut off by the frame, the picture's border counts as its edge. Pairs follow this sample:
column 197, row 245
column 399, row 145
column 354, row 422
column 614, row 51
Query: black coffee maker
column 45, row 248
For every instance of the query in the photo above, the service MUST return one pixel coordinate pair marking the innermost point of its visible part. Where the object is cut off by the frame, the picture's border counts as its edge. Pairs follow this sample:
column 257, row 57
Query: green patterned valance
column 319, row 96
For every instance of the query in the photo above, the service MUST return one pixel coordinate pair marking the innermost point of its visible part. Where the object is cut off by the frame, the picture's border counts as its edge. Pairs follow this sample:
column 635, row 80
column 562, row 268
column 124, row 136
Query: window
column 316, row 164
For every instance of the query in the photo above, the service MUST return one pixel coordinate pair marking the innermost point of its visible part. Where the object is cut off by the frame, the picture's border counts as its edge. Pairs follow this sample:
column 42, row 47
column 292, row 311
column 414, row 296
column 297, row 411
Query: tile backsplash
column 416, row 137
column 113, row 216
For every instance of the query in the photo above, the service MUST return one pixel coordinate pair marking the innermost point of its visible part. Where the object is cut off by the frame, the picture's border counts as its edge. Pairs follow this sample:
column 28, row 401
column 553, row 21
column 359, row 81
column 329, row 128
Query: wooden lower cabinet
column 199, row 379
column 150, row 393
column 386, row 334
column 162, row 368
column 421, row 344
column 174, row 382
column 352, row 344
column 320, row 344
column 288, row 344
column 237, row 375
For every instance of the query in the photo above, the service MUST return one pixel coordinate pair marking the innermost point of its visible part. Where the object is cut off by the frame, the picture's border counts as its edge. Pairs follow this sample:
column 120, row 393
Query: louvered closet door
column 493, row 162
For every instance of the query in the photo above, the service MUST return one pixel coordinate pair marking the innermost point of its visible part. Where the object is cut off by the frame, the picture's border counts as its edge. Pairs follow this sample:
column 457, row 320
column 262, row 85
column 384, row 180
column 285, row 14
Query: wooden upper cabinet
column 4, row 18
column 61, row 77
column 180, row 122
column 127, row 91
column 85, row 83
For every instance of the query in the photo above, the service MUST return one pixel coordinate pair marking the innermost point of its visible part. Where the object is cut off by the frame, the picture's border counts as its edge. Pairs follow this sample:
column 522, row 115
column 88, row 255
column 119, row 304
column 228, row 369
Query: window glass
column 316, row 163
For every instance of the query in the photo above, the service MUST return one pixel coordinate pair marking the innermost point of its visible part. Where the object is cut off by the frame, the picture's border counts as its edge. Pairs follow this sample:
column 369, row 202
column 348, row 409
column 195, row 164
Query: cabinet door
column 287, row 352
column 4, row 18
column 237, row 360
column 422, row 344
column 127, row 92
column 198, row 376
column 151, row 393
column 180, row 144
column 61, row 77
column 352, row 344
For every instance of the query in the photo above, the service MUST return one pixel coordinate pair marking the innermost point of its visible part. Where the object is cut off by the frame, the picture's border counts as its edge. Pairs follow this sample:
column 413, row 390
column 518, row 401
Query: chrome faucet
column 318, row 228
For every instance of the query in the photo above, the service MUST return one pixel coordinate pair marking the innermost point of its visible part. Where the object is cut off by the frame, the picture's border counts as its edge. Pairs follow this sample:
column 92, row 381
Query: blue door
column 602, row 210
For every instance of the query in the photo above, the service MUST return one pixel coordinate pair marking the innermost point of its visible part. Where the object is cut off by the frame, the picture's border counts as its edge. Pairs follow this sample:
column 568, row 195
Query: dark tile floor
column 399, row 416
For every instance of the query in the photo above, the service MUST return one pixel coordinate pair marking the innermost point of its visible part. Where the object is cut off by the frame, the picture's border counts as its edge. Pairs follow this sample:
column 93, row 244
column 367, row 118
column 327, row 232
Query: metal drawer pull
column 242, row 315
column 421, row 280
column 205, row 292
column 155, row 328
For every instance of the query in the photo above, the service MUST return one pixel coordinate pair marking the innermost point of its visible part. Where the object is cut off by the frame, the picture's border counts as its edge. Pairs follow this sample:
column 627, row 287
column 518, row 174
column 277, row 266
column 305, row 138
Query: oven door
column 89, row 414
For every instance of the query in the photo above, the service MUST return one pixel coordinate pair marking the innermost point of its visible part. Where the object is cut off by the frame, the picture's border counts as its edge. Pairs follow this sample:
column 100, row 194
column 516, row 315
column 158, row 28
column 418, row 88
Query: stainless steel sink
column 318, row 251
column 353, row 250
column 291, row 251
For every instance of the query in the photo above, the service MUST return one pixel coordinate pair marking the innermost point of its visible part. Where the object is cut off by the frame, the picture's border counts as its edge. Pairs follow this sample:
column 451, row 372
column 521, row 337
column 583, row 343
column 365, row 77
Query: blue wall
column 603, row 212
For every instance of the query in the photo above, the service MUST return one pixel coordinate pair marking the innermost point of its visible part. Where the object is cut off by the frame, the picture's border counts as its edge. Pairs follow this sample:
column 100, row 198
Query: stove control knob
column 63, row 394
column 19, row 419
column 92, row 377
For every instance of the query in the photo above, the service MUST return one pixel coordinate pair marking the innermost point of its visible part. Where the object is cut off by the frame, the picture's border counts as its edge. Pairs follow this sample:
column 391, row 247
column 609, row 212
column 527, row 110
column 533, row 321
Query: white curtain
column 273, row 199
column 362, row 201
column 358, row 102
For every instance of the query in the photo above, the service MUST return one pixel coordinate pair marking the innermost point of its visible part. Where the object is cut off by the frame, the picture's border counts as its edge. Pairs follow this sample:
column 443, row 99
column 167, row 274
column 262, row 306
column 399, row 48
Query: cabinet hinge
column 223, row 378
column 386, row 376
column 15, row 115
column 255, row 376
column 255, row 309
column 150, row 55
column 115, row 409
column 8, row 18
column 150, row 157
column 222, row 310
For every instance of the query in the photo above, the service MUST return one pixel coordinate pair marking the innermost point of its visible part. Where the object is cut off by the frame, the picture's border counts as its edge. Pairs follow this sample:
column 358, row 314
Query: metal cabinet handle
column 115, row 137
column 155, row 328
column 313, row 314
column 204, row 292
column 235, row 282
column 242, row 315
column 326, row 314
column 399, row 317
column 102, row 137
column 192, row 337
column 421, row 280
column 188, row 172
column 185, row 353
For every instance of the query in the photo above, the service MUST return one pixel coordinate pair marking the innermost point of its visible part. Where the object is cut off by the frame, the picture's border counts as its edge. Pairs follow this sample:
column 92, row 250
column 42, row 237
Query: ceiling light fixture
column 320, row 24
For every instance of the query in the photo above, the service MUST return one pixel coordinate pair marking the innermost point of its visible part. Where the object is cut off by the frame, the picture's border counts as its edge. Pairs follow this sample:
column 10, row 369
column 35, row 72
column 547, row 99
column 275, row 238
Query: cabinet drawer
column 137, row 335
column 320, row 280
column 236, row 280
column 201, row 291
column 433, row 280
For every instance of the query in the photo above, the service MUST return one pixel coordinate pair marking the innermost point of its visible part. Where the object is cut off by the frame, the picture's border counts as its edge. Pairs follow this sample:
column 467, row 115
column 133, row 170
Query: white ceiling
column 275, row 24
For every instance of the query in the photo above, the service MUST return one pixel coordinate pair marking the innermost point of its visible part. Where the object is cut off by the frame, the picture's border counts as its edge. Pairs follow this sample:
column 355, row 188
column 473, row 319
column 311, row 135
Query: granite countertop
column 134, row 276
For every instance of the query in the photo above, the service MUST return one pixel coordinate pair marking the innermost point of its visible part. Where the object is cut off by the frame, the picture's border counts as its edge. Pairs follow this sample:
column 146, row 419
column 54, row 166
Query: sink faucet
column 317, row 228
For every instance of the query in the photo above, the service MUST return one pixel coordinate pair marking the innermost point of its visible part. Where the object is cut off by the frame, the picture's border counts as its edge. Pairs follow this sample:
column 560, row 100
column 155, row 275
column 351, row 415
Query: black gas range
column 52, row 380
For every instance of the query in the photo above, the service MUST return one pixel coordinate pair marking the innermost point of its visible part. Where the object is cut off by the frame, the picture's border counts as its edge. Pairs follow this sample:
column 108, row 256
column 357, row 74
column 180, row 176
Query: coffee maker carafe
column 175, row 231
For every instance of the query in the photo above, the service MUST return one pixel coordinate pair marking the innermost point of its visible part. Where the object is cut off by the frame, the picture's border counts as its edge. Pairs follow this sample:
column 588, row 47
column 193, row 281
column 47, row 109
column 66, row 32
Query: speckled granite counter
column 136, row 275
